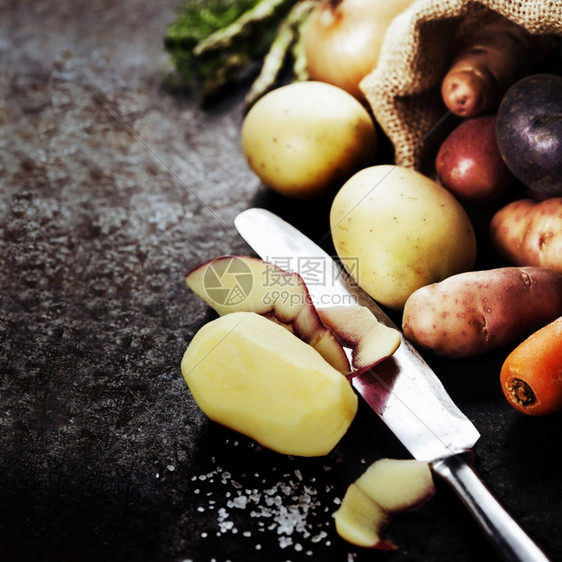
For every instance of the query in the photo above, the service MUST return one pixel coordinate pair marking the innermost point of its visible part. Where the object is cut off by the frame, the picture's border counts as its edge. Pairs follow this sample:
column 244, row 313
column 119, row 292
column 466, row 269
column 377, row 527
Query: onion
column 342, row 39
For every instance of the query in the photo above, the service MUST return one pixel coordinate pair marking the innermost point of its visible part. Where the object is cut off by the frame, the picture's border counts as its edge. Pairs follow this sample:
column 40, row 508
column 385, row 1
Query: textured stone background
column 111, row 188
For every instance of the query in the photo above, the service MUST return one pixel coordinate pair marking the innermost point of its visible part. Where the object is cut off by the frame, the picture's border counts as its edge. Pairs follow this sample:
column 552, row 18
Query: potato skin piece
column 475, row 312
column 527, row 232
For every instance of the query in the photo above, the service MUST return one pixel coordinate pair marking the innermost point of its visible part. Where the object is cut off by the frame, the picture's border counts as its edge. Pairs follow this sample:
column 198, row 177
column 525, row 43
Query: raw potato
column 402, row 230
column 529, row 133
column 475, row 312
column 252, row 375
column 495, row 58
column 527, row 232
column 469, row 163
column 307, row 138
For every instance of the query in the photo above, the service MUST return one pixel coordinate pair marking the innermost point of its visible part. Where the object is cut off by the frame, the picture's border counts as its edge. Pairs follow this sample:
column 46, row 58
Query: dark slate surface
column 112, row 187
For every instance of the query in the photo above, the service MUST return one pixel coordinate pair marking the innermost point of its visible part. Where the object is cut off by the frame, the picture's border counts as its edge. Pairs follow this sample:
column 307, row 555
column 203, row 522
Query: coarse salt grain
column 317, row 538
column 240, row 502
column 284, row 542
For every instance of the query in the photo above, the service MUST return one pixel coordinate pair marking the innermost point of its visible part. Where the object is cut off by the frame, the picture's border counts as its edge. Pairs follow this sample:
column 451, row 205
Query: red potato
column 471, row 313
column 527, row 232
column 469, row 163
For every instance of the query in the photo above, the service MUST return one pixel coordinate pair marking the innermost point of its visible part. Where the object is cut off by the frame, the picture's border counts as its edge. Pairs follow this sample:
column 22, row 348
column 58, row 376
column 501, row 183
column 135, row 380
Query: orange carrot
column 531, row 375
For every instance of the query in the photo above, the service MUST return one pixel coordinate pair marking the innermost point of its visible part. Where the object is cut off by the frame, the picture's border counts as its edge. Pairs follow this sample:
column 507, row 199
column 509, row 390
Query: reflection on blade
column 403, row 390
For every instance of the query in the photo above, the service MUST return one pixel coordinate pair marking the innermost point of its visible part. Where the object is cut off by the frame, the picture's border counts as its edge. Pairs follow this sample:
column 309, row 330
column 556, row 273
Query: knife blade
column 403, row 390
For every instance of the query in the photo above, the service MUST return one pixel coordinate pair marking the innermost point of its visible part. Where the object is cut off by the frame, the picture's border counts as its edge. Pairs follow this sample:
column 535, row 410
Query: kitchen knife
column 403, row 390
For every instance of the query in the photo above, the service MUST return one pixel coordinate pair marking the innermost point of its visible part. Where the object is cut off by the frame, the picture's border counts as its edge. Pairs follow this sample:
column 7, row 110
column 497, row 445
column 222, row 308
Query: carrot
column 531, row 375
column 492, row 60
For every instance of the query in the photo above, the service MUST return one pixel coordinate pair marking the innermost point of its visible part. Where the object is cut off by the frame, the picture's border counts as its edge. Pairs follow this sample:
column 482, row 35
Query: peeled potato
column 254, row 376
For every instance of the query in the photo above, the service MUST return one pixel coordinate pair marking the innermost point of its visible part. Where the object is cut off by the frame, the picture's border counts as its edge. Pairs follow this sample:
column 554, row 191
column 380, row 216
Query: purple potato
column 529, row 133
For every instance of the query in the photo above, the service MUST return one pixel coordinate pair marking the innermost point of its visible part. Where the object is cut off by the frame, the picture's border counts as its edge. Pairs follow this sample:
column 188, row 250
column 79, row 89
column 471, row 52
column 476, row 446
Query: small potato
column 469, row 163
column 307, row 138
column 529, row 133
column 475, row 312
column 527, row 232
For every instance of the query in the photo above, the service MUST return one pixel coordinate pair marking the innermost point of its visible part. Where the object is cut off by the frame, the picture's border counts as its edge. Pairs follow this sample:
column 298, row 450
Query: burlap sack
column 404, row 89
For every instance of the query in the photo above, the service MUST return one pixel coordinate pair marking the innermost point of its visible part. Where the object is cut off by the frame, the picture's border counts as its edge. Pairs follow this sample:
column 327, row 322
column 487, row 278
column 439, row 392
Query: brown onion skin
column 342, row 40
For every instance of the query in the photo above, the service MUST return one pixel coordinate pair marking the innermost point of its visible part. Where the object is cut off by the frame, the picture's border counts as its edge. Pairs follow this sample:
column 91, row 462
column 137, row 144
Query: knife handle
column 507, row 536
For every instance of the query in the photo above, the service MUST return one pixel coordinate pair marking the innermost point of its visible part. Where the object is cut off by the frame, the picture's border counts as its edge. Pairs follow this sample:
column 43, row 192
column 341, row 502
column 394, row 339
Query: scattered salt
column 283, row 508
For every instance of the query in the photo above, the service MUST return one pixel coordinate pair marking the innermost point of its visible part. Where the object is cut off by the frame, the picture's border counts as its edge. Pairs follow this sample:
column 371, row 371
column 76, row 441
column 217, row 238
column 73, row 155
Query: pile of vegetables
column 503, row 160
column 215, row 44
column 308, row 132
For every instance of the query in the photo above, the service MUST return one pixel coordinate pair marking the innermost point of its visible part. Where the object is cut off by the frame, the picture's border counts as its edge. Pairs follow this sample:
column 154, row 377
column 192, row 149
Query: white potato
column 307, row 138
column 396, row 230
